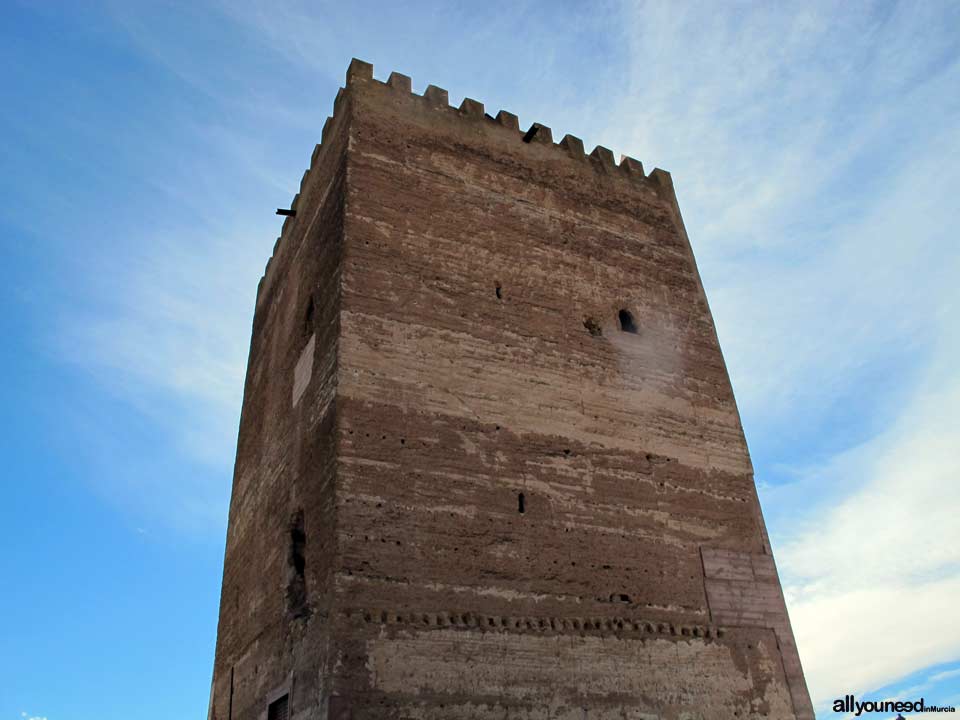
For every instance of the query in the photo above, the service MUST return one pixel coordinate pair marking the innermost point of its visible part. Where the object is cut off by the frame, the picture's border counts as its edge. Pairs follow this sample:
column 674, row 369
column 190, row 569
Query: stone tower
column 490, row 464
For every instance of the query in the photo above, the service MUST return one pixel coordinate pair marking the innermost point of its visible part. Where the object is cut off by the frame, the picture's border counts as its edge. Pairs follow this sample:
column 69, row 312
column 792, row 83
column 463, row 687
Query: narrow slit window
column 298, row 541
column 627, row 323
column 521, row 503
column 279, row 708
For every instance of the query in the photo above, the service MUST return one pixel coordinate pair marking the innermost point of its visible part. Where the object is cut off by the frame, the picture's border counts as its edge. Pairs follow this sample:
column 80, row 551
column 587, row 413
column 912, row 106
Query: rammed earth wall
column 490, row 463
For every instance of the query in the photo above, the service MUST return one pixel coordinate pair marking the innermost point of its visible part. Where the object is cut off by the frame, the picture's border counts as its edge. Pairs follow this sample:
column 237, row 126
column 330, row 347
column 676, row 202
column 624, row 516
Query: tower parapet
column 600, row 159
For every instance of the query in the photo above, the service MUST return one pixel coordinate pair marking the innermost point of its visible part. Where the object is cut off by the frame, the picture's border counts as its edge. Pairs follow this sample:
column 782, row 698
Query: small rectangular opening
column 278, row 710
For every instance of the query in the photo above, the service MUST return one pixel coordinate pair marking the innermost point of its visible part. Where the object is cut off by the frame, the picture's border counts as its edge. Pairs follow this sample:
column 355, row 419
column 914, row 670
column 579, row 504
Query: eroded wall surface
column 512, row 505
column 273, row 636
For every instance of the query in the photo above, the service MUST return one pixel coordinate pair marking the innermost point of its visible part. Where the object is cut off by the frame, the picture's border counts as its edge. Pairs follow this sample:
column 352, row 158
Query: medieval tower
column 490, row 464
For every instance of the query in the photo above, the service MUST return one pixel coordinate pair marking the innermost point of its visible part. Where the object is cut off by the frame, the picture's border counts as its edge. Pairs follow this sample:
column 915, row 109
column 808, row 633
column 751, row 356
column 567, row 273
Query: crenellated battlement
column 600, row 159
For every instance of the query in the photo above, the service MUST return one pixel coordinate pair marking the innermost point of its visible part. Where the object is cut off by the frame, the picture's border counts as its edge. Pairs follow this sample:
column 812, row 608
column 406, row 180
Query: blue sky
column 814, row 148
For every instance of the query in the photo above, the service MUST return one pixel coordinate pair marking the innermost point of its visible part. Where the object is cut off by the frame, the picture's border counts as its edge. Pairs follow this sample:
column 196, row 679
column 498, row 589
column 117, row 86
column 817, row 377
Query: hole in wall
column 521, row 503
column 593, row 327
column 297, row 562
column 298, row 541
column 498, row 288
column 627, row 323
column 308, row 317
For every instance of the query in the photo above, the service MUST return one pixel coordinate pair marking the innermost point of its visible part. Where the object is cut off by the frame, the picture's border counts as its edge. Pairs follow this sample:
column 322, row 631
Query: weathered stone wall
column 469, row 362
column 274, row 632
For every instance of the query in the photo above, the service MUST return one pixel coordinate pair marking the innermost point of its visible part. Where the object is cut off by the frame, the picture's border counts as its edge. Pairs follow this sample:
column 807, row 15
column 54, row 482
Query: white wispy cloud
column 945, row 675
column 167, row 335
column 785, row 168
column 871, row 577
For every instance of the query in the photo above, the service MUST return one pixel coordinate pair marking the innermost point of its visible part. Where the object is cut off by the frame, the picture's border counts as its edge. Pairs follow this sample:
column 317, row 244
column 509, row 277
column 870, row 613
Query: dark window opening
column 620, row 597
column 297, row 561
column 298, row 541
column 626, row 322
column 521, row 503
column 499, row 291
column 279, row 708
